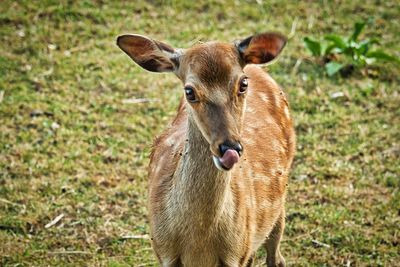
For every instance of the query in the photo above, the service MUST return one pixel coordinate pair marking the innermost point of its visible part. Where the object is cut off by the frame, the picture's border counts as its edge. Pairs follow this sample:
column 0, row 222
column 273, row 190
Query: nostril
column 227, row 145
column 239, row 148
column 223, row 148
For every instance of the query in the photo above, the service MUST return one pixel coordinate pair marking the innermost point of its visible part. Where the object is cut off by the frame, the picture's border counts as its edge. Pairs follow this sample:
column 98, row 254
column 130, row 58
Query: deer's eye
column 190, row 95
column 244, row 83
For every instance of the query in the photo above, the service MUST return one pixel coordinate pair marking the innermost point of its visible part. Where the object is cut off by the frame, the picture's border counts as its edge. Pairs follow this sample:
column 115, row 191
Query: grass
column 71, row 145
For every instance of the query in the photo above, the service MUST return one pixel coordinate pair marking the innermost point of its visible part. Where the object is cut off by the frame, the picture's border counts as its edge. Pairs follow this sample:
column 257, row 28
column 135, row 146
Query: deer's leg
column 250, row 262
column 274, row 257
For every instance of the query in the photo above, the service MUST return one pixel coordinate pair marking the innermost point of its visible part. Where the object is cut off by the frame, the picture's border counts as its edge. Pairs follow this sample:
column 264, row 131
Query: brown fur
column 199, row 215
column 268, row 163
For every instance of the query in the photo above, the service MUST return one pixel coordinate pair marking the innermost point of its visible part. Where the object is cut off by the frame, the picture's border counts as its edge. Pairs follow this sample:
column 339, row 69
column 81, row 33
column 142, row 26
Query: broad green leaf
column 380, row 55
column 329, row 49
column 360, row 61
column 364, row 45
column 337, row 40
column 358, row 27
column 323, row 48
column 333, row 67
column 369, row 41
column 313, row 46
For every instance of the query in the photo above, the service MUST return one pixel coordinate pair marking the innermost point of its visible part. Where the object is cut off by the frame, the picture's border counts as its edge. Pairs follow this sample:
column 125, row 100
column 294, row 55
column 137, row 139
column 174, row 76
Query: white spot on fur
column 269, row 119
column 263, row 97
column 250, row 130
column 264, row 178
column 264, row 204
column 277, row 146
column 286, row 111
column 249, row 202
column 170, row 140
column 249, row 109
column 157, row 169
column 250, row 141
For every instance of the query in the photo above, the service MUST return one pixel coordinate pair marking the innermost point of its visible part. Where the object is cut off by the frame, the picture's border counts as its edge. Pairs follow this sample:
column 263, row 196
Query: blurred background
column 77, row 120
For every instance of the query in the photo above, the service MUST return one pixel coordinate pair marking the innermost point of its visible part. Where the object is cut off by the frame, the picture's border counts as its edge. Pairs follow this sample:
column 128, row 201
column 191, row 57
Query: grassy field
column 72, row 144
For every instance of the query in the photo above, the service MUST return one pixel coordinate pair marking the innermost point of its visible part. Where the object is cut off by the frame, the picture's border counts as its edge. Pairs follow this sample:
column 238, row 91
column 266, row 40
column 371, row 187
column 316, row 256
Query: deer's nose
column 230, row 145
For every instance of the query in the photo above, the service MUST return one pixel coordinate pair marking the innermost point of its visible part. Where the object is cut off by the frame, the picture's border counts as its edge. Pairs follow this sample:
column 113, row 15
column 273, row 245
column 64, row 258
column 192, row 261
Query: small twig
column 139, row 100
column 320, row 244
column 144, row 249
column 135, row 237
column 310, row 22
column 70, row 252
column 11, row 203
column 296, row 66
column 53, row 222
column 1, row 96
column 300, row 236
column 293, row 29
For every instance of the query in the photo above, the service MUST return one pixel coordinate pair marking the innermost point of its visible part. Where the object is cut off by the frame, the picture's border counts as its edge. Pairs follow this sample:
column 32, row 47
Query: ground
column 75, row 144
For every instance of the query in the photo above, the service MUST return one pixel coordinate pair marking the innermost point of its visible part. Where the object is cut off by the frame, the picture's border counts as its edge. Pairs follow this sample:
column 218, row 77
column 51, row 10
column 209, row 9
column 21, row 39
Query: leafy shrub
column 357, row 54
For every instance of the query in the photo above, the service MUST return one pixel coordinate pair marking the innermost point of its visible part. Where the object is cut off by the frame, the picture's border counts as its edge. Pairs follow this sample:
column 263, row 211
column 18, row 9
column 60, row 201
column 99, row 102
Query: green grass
column 70, row 145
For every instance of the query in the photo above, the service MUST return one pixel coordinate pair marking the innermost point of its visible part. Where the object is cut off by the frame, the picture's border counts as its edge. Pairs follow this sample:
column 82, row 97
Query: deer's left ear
column 261, row 48
column 150, row 54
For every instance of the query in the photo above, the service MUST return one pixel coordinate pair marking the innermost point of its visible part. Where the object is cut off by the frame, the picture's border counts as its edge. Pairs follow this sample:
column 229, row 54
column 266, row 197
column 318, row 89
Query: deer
column 218, row 174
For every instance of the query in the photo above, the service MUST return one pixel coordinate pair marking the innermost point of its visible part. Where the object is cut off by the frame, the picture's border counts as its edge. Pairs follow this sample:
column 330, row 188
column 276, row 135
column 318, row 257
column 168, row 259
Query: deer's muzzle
column 230, row 154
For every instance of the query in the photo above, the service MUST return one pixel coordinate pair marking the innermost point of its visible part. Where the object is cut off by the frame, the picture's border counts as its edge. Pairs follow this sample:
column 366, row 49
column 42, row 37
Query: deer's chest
column 200, row 235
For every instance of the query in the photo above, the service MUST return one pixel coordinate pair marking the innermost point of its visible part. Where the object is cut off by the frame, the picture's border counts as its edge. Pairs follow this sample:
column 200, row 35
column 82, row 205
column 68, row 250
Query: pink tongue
column 229, row 158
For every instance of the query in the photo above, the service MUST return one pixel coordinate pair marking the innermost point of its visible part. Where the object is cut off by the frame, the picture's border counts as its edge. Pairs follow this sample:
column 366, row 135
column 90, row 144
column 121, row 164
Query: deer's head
column 213, row 80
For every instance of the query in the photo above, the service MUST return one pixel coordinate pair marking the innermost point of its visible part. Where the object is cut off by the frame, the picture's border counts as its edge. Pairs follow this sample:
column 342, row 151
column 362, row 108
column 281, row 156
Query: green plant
column 357, row 54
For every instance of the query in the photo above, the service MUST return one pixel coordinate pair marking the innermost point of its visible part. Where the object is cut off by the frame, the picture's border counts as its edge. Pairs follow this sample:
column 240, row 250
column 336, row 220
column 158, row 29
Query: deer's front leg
column 250, row 263
column 274, row 257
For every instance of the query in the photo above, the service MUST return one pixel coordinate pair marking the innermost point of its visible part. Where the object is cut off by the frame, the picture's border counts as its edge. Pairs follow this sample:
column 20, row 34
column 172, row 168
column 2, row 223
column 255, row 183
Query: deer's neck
column 199, row 187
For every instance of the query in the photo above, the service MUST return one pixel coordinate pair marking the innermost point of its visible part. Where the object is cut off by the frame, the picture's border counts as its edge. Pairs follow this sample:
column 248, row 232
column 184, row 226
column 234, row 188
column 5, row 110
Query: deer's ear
column 261, row 48
column 149, row 54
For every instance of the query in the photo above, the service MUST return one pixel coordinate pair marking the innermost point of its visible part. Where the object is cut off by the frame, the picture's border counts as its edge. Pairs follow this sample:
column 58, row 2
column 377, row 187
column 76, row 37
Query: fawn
column 218, row 174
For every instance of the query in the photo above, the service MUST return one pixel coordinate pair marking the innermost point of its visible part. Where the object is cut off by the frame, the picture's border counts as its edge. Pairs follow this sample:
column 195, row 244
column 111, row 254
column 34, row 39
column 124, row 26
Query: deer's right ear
column 261, row 48
column 149, row 54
